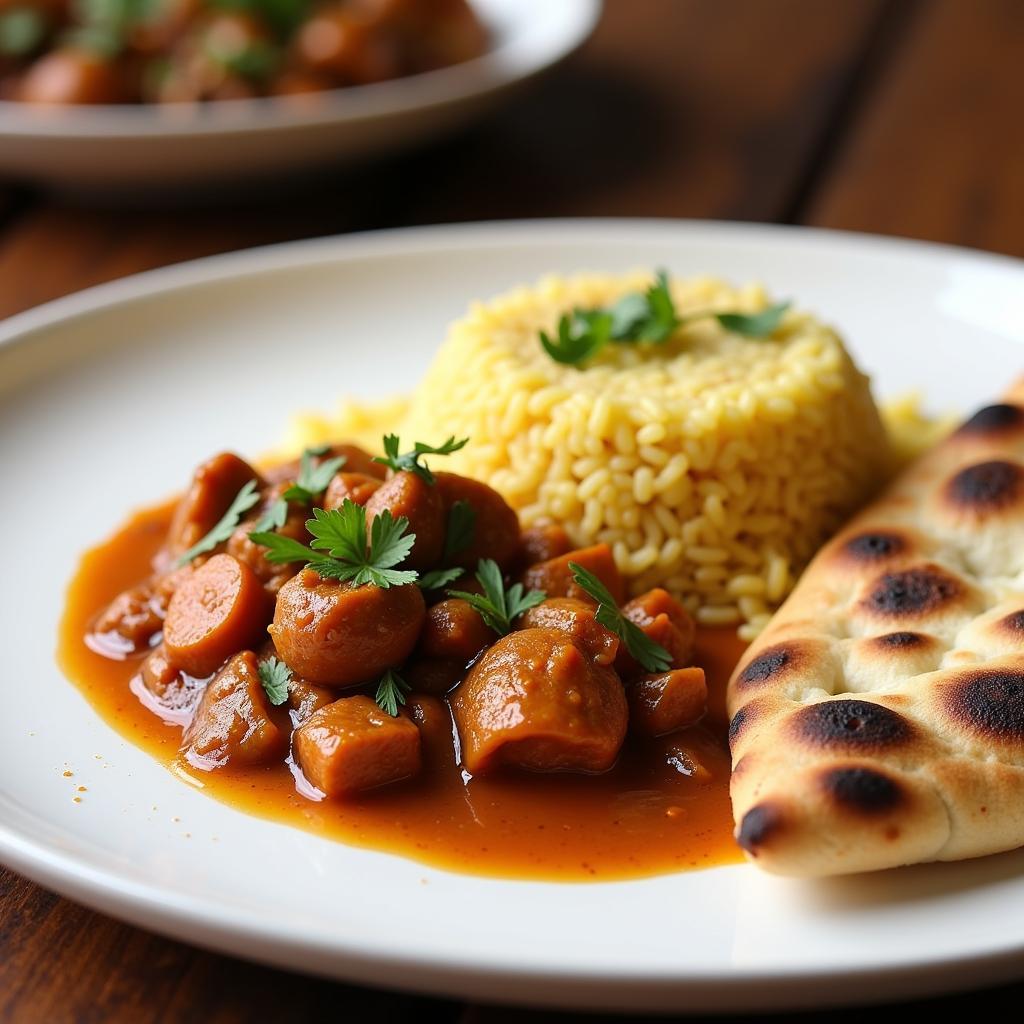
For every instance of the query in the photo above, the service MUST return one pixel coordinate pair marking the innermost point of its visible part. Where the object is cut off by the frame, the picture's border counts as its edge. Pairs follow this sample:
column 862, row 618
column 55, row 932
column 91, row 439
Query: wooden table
column 893, row 116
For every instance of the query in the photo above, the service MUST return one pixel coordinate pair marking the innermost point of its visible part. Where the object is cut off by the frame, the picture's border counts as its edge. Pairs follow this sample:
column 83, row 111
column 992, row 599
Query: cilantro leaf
column 439, row 578
column 754, row 325
column 638, row 316
column 661, row 319
column 409, row 462
column 339, row 549
column 22, row 30
column 103, row 26
column 652, row 656
column 580, row 335
column 273, row 518
column 340, row 532
column 244, row 500
column 649, row 316
column 283, row 16
column 459, row 532
column 283, row 549
column 391, row 691
column 645, row 316
column 275, row 676
column 389, row 542
column 313, row 477
column 498, row 606
column 628, row 314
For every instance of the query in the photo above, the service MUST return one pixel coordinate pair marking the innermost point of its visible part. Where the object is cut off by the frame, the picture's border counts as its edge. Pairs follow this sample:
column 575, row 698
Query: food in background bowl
column 163, row 51
column 712, row 440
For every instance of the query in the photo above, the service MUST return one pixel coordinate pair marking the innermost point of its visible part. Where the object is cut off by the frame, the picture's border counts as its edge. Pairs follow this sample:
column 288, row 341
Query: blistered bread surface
column 879, row 719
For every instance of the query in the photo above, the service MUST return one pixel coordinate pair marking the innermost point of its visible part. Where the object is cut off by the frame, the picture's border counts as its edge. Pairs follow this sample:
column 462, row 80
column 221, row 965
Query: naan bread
column 879, row 719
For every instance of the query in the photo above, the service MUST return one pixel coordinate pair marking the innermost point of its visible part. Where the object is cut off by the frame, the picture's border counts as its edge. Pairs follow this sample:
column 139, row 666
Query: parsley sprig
column 459, row 531
column 652, row 656
column 22, row 30
column 275, row 676
column 339, row 549
column 649, row 316
column 438, row 578
column 457, row 537
column 313, row 476
column 244, row 500
column 391, row 691
column 409, row 462
column 646, row 316
column 311, row 483
column 273, row 518
column 497, row 605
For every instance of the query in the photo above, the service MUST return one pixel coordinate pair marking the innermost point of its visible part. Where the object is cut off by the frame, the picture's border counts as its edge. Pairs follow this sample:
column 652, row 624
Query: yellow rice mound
column 713, row 465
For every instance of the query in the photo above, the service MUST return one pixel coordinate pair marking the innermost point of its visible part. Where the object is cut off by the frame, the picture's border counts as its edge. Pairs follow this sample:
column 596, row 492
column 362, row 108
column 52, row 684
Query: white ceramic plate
column 197, row 358
column 152, row 146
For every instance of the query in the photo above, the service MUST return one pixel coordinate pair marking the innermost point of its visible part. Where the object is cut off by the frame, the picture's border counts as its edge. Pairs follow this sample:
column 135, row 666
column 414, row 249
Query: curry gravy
column 664, row 807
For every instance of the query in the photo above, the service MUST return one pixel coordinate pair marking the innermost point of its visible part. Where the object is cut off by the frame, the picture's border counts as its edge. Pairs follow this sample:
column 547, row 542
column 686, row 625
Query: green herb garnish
column 283, row 16
column 498, row 606
column 313, row 476
column 274, row 517
column 754, row 325
column 104, row 25
column 244, row 500
column 391, row 691
column 581, row 334
column 649, row 316
column 339, row 547
column 256, row 61
column 439, row 578
column 652, row 656
column 22, row 30
column 312, row 482
column 459, row 531
column 409, row 462
column 275, row 676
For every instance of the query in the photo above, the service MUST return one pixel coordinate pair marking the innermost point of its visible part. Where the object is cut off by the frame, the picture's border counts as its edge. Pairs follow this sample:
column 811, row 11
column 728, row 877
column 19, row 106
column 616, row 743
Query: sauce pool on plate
column 664, row 807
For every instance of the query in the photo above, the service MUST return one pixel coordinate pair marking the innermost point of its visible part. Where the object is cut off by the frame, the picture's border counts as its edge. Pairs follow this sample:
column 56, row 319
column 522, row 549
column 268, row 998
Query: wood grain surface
column 893, row 116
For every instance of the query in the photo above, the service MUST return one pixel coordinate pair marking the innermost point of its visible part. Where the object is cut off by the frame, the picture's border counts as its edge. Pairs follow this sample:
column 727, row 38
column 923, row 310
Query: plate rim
column 152, row 906
column 505, row 65
column 273, row 256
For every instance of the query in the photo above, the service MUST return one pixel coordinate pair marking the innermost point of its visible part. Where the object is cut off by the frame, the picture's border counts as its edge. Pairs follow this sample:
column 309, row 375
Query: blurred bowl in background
column 85, row 148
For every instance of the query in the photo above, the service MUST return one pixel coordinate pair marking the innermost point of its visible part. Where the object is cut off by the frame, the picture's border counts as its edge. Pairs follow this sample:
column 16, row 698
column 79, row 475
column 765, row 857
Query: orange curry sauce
column 663, row 808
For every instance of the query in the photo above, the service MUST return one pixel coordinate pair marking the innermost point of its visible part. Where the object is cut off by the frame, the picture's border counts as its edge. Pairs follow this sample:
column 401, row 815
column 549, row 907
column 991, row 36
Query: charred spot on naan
column 985, row 488
column 789, row 662
column 740, row 721
column 850, row 725
column 874, row 547
column 993, row 421
column 988, row 702
column 902, row 640
column 759, row 824
column 876, row 662
column 768, row 665
column 866, row 791
column 748, row 715
column 914, row 593
column 1012, row 625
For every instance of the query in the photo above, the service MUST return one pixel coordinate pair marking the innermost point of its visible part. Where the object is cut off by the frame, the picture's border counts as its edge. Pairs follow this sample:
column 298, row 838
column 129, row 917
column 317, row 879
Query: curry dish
column 374, row 649
column 192, row 51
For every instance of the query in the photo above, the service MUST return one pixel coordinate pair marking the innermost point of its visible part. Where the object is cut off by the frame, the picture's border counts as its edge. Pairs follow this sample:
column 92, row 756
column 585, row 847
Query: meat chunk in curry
column 351, row 745
column 537, row 700
column 233, row 721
